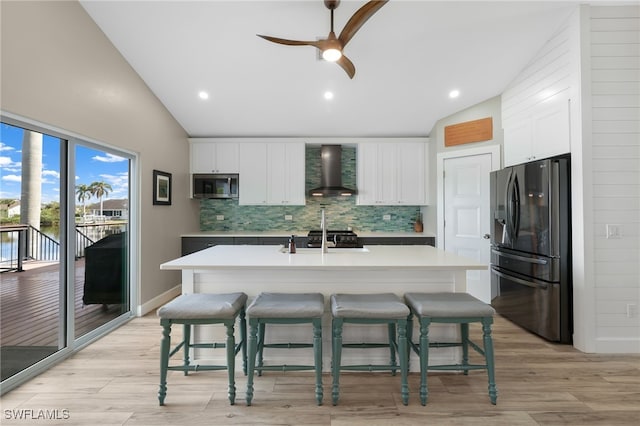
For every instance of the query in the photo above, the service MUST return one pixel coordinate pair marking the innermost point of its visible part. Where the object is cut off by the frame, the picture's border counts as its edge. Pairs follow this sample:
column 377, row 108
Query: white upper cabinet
column 392, row 173
column 542, row 132
column 286, row 173
column 213, row 157
column 252, row 181
column 272, row 174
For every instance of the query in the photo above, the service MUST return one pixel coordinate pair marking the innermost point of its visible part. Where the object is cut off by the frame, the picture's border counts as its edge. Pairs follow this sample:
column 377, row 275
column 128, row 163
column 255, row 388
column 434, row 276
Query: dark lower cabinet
column 397, row 241
column 193, row 244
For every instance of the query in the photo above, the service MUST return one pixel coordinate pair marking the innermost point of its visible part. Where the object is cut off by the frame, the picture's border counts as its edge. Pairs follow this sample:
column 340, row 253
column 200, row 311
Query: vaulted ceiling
column 408, row 57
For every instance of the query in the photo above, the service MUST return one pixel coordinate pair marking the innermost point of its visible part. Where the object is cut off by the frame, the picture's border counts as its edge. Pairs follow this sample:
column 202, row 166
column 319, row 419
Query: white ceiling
column 408, row 57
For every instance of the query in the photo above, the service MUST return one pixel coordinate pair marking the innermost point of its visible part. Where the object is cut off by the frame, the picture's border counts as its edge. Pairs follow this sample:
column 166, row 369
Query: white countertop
column 367, row 258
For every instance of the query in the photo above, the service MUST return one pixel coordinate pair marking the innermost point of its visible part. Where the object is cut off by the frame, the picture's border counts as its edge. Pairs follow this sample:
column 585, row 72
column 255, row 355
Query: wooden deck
column 30, row 311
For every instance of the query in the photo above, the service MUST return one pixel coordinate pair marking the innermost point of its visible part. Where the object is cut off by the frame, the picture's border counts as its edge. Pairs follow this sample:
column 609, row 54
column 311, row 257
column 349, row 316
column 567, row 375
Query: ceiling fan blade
column 347, row 65
column 316, row 43
column 358, row 19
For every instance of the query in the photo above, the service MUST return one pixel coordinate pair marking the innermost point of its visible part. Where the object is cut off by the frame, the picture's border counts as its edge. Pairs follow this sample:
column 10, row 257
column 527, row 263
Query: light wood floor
column 115, row 382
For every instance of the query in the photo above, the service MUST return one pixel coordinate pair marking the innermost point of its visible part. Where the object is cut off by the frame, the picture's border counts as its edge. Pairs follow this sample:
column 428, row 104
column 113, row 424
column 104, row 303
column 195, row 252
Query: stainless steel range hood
column 331, row 174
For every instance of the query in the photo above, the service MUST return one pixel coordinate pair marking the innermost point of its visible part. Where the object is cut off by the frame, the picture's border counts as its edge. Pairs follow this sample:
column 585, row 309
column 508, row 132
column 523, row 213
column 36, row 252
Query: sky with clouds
column 91, row 166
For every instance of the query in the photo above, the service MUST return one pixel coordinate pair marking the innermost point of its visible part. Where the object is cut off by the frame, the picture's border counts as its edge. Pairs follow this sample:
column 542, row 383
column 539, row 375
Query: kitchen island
column 371, row 269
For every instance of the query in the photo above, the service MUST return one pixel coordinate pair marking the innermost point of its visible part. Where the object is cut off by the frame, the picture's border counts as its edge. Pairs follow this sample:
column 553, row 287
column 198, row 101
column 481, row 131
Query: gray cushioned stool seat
column 203, row 306
column 442, row 305
column 378, row 306
column 287, row 305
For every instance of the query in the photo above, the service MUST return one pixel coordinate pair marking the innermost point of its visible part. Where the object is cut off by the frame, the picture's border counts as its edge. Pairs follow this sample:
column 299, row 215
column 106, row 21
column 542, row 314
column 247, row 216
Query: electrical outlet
column 632, row 310
column 288, row 217
column 386, row 217
column 614, row 231
column 220, row 217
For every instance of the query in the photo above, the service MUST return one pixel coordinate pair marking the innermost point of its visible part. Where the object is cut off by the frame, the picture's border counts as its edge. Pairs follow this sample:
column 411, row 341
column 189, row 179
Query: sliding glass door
column 101, row 238
column 32, row 294
column 65, row 209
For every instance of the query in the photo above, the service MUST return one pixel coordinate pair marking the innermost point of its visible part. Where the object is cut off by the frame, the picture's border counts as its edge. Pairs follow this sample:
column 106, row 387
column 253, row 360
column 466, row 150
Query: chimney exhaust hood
column 331, row 174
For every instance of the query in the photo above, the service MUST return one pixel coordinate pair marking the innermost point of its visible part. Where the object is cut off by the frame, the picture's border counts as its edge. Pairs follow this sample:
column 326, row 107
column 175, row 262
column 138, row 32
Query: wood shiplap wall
column 615, row 100
column 551, row 72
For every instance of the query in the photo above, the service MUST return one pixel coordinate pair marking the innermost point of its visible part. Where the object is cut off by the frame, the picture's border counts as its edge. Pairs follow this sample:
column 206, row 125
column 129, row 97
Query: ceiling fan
column 332, row 46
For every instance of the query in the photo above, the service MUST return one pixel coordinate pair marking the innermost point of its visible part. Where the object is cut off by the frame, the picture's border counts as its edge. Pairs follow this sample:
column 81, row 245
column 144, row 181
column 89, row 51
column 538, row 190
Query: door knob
column 486, row 236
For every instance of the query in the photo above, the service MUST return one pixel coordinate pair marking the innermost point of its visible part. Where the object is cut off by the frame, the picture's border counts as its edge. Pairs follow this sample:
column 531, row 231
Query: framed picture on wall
column 161, row 188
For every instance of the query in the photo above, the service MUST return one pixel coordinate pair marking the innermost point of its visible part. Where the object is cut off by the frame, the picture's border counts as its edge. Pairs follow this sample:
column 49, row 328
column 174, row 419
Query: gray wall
column 489, row 108
column 59, row 69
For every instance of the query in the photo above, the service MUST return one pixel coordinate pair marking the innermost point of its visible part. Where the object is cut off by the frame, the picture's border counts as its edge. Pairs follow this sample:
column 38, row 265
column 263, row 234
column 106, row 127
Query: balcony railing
column 24, row 242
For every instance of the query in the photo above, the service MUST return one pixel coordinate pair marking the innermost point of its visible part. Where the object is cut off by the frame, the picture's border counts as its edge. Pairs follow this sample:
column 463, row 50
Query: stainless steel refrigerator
column 531, row 247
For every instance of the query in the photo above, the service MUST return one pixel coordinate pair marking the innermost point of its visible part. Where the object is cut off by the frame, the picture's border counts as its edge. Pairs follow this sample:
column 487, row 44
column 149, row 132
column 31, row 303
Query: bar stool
column 198, row 309
column 284, row 308
column 451, row 308
column 383, row 308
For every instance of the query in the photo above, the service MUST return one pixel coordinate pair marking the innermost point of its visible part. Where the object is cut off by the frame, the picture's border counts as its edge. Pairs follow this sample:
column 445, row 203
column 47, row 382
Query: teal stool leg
column 317, row 357
column 261, row 333
column 337, row 354
column 165, row 347
column 488, row 351
column 391, row 330
column 409, row 340
column 424, row 359
column 231, row 360
column 243, row 339
column 402, row 354
column 464, row 334
column 251, row 362
column 187, row 342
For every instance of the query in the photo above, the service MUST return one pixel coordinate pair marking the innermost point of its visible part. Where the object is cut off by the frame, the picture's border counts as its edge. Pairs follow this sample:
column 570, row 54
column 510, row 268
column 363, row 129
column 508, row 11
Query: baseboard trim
column 618, row 346
column 159, row 300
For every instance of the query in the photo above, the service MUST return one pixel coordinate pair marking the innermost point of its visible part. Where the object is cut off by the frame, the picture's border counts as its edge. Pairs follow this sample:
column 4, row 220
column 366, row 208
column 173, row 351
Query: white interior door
column 466, row 215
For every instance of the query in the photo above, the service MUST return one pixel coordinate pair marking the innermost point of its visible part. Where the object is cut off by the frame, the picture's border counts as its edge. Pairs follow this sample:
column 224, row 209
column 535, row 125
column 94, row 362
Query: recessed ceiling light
column 454, row 94
column 203, row 95
column 328, row 95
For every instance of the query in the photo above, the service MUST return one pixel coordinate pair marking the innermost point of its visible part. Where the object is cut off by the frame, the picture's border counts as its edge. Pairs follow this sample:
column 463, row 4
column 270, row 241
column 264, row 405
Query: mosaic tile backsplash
column 340, row 212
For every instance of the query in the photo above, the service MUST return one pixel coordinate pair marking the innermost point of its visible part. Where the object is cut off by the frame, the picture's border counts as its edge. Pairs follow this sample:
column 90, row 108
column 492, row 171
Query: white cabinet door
column 295, row 166
column 252, row 181
column 285, row 174
column 517, row 142
column 392, row 173
column 541, row 133
column 226, row 157
column 551, row 130
column 412, row 174
column 387, row 174
column 367, row 174
column 214, row 157
column 202, row 157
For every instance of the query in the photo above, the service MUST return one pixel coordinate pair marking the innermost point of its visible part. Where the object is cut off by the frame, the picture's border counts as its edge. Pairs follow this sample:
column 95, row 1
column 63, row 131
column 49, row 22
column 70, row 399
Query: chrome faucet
column 323, row 225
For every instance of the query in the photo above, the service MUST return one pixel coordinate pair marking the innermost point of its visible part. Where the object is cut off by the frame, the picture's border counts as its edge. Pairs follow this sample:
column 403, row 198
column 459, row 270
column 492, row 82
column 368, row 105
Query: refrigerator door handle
column 522, row 258
column 519, row 280
column 516, row 197
column 509, row 207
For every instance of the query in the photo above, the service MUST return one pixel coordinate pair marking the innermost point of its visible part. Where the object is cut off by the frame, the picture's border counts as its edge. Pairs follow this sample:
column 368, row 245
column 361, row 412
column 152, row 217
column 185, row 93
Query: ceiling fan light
column 331, row 55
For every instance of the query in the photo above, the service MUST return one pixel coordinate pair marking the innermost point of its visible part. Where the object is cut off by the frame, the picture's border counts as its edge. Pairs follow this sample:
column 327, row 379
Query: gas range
column 337, row 239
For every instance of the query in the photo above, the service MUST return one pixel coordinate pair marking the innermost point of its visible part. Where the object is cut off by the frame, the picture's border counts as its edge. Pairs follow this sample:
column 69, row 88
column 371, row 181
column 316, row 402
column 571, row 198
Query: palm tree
column 100, row 189
column 84, row 192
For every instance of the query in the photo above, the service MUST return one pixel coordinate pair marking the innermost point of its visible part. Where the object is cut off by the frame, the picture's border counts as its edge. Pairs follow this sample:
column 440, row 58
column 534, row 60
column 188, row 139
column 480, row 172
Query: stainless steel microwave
column 215, row 186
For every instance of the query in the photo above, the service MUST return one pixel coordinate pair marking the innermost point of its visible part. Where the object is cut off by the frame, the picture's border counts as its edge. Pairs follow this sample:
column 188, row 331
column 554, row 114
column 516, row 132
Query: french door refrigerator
column 531, row 247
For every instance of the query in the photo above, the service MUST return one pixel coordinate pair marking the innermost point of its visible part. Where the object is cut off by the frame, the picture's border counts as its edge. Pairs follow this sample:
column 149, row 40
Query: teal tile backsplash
column 340, row 212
